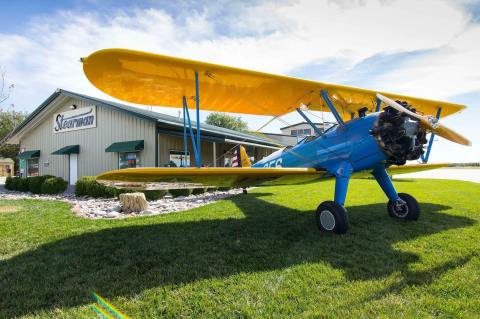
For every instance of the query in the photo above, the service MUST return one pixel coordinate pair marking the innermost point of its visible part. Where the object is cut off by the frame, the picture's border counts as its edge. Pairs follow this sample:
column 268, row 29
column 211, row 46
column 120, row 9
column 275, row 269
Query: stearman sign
column 79, row 119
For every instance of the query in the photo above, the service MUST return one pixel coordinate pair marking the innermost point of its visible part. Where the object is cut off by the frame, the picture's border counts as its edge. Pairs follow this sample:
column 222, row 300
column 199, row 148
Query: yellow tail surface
column 240, row 157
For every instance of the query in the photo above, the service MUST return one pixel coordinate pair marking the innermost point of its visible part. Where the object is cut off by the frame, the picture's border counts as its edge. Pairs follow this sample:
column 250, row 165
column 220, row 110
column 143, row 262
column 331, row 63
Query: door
column 73, row 168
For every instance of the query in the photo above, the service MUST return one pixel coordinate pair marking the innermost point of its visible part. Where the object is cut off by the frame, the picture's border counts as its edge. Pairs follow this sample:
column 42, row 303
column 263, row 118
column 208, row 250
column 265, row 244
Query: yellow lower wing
column 412, row 168
column 176, row 178
column 189, row 177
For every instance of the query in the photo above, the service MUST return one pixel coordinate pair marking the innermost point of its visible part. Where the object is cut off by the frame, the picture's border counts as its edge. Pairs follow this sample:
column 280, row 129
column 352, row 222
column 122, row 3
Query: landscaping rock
column 113, row 215
column 99, row 208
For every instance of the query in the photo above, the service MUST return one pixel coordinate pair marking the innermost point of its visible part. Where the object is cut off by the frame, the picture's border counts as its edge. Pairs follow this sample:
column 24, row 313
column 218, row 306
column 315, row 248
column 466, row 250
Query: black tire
column 409, row 211
column 332, row 217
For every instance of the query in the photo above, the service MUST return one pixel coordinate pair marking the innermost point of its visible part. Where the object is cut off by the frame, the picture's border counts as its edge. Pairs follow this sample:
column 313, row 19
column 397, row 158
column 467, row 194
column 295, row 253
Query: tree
column 227, row 121
column 8, row 121
column 5, row 89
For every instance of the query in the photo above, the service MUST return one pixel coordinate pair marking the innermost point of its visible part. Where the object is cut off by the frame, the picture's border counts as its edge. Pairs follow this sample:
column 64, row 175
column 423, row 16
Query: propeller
column 428, row 122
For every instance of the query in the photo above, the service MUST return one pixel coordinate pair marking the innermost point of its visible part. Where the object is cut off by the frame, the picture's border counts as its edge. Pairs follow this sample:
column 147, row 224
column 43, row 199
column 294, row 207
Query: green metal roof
column 29, row 154
column 70, row 149
column 162, row 120
column 128, row 146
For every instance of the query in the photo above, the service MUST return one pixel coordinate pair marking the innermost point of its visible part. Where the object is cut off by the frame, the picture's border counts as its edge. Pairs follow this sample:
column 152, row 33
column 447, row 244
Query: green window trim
column 70, row 149
column 29, row 154
column 125, row 147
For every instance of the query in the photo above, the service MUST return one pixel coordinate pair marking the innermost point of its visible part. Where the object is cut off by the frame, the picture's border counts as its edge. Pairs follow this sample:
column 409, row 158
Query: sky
column 425, row 48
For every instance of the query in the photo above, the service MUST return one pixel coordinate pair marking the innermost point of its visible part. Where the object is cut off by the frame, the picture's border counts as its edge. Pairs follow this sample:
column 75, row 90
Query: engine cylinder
column 400, row 137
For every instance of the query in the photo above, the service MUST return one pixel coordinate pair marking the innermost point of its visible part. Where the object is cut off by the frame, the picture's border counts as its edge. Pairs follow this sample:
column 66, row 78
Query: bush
column 180, row 192
column 53, row 185
column 212, row 189
column 9, row 182
column 15, row 183
column 224, row 189
column 198, row 191
column 88, row 186
column 35, row 183
column 23, row 184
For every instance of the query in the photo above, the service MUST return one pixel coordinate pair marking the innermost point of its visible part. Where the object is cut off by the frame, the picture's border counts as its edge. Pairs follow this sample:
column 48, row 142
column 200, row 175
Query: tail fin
column 240, row 157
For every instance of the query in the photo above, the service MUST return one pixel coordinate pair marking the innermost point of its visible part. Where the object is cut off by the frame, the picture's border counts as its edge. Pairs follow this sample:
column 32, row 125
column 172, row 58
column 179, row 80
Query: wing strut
column 332, row 108
column 196, row 145
column 315, row 128
column 430, row 142
column 379, row 105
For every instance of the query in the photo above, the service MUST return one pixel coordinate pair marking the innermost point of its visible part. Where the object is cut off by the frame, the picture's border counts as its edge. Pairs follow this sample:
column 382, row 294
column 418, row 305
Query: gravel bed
column 96, row 208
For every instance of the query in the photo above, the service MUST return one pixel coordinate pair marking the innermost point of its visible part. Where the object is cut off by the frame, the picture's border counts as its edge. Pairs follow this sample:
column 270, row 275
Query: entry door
column 73, row 169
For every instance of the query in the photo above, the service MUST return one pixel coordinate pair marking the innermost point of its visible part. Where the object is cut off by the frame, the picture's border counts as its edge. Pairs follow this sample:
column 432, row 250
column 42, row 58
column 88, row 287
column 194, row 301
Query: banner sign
column 79, row 119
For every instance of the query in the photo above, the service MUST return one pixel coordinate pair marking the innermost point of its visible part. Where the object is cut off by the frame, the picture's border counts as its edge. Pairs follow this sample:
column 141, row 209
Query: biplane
column 375, row 132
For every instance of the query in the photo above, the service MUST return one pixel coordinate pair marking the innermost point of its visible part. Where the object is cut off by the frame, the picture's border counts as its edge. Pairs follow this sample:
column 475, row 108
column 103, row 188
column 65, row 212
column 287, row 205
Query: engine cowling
column 400, row 137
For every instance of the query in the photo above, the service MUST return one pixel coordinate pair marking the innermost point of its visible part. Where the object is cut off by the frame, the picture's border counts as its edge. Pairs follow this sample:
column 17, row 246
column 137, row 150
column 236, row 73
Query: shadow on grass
column 124, row 261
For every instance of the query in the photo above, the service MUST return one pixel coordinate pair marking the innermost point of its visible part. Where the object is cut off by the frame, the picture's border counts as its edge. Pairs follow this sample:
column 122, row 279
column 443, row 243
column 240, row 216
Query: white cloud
column 272, row 36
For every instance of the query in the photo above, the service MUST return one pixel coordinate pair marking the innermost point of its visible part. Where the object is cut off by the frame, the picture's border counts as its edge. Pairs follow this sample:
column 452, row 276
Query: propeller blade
column 451, row 135
column 428, row 122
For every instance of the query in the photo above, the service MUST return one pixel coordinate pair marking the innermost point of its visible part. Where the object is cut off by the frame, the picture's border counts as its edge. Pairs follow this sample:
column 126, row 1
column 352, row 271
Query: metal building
column 72, row 135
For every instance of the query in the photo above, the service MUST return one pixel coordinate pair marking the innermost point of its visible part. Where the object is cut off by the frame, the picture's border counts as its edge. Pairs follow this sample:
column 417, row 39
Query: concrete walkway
column 461, row 174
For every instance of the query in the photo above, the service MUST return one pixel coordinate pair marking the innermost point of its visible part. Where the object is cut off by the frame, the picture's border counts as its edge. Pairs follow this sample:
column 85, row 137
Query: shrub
column 212, row 189
column 198, row 191
column 88, row 186
column 35, row 183
column 180, row 192
column 15, row 183
column 53, row 185
column 9, row 183
column 224, row 189
column 23, row 184
column 154, row 194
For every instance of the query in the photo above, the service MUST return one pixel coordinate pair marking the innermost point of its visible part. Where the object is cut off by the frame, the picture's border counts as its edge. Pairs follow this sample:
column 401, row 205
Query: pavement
column 456, row 173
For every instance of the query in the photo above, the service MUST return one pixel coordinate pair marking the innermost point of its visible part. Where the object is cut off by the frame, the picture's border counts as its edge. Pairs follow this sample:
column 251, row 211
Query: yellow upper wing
column 153, row 79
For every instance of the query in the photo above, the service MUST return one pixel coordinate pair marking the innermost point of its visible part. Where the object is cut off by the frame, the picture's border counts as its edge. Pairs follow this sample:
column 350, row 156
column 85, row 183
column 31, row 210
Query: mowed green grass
column 253, row 256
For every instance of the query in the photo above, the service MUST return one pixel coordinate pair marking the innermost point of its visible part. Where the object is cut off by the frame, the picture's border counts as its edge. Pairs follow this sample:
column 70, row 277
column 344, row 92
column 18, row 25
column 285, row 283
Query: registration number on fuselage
column 274, row 163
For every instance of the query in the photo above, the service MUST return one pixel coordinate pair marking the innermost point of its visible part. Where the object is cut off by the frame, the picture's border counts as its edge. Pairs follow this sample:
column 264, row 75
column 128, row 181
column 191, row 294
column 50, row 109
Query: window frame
column 137, row 159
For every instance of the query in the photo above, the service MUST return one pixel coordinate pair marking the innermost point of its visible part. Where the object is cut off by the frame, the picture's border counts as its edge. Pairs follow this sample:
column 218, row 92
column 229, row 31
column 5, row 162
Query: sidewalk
column 461, row 174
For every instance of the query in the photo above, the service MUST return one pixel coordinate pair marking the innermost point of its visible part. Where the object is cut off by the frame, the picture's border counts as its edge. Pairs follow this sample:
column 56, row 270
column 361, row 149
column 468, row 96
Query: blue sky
column 424, row 48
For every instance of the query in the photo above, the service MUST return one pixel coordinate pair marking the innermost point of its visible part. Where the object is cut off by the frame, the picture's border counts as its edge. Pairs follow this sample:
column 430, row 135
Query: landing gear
column 400, row 205
column 406, row 207
column 332, row 217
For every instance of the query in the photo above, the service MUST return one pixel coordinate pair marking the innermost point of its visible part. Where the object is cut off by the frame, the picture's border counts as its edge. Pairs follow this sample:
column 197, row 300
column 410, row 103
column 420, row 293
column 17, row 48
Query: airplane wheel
column 332, row 217
column 408, row 210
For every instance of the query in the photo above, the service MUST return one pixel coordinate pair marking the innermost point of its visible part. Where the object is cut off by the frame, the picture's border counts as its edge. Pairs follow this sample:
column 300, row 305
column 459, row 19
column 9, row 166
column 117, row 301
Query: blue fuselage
column 352, row 144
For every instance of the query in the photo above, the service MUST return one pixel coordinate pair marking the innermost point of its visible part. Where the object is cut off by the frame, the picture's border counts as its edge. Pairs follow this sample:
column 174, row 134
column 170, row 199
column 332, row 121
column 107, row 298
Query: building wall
column 112, row 126
column 167, row 143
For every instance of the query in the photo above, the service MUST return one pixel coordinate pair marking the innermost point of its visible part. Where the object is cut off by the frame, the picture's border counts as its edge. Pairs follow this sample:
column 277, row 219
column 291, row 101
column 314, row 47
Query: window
column 32, row 167
column 128, row 160
column 178, row 158
column 293, row 132
column 307, row 131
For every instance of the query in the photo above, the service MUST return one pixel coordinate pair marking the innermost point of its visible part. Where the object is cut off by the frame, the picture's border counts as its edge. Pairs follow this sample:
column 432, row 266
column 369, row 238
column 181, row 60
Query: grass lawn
column 256, row 255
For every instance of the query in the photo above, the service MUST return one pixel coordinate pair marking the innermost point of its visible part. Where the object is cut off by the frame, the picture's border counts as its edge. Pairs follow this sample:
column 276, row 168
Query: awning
column 70, row 149
column 29, row 154
column 128, row 146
